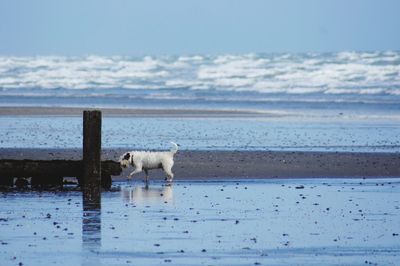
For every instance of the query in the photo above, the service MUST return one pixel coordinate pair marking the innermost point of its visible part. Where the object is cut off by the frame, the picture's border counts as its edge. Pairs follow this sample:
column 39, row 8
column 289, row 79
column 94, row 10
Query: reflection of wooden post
column 91, row 157
column 91, row 234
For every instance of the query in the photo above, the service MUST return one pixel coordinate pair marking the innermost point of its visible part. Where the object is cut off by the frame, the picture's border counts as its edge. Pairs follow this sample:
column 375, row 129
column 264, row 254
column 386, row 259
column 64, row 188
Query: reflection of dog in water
column 146, row 160
column 145, row 194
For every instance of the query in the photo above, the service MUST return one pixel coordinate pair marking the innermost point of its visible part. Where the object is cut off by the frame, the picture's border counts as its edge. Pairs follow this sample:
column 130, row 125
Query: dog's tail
column 174, row 148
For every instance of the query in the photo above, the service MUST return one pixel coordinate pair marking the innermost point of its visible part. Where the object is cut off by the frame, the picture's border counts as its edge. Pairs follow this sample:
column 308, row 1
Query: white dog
column 146, row 160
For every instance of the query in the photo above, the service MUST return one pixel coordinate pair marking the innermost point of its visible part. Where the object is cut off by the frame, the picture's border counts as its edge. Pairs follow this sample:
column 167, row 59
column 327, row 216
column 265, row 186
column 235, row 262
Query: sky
column 177, row 27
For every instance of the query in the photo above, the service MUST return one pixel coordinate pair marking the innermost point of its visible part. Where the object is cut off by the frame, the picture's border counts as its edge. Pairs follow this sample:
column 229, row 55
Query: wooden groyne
column 43, row 173
column 90, row 171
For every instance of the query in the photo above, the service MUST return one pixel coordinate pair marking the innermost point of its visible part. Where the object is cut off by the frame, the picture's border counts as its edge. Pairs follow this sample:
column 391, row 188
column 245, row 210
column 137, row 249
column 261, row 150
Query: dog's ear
column 127, row 156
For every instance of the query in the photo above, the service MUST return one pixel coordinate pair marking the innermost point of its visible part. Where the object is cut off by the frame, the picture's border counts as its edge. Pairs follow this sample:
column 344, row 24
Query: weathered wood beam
column 10, row 169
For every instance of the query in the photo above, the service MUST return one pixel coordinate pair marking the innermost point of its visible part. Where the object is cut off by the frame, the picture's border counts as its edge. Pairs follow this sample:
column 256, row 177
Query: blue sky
column 149, row 27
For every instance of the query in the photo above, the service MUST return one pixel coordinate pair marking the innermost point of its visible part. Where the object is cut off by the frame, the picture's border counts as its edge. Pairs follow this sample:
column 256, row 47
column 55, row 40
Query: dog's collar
column 131, row 159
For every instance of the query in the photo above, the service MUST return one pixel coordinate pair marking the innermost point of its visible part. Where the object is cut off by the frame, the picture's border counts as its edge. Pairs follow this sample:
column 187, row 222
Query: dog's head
column 125, row 158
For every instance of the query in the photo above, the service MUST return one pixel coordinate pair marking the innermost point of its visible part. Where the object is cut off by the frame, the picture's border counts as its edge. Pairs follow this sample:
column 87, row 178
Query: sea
column 344, row 101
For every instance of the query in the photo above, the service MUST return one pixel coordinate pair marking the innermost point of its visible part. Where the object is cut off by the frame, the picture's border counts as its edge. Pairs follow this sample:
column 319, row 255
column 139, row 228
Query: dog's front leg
column 138, row 169
column 147, row 175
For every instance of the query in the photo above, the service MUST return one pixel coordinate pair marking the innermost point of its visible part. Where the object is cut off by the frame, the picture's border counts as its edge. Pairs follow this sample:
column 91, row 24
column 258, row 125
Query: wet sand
column 217, row 165
column 131, row 112
column 210, row 130
column 243, row 222
column 225, row 208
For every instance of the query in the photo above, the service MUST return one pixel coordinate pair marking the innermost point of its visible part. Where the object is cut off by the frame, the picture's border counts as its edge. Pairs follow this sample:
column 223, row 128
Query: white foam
column 394, row 92
column 342, row 73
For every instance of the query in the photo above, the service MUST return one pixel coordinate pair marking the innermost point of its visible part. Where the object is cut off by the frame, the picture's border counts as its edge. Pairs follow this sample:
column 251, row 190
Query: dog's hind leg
column 169, row 174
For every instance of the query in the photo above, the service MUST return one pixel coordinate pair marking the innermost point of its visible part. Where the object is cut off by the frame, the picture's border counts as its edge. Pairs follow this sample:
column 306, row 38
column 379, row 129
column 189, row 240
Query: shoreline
column 288, row 115
column 137, row 112
column 217, row 165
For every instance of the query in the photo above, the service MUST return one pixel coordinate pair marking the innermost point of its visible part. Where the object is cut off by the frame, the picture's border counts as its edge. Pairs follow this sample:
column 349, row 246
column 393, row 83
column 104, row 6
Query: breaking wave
column 179, row 77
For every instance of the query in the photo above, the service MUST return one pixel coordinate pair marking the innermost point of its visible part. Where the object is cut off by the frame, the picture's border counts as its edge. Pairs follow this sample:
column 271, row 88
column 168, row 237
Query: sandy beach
column 217, row 165
column 316, row 199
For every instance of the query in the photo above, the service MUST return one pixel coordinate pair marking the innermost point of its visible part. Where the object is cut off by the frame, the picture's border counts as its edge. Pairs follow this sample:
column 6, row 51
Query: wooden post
column 91, row 158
